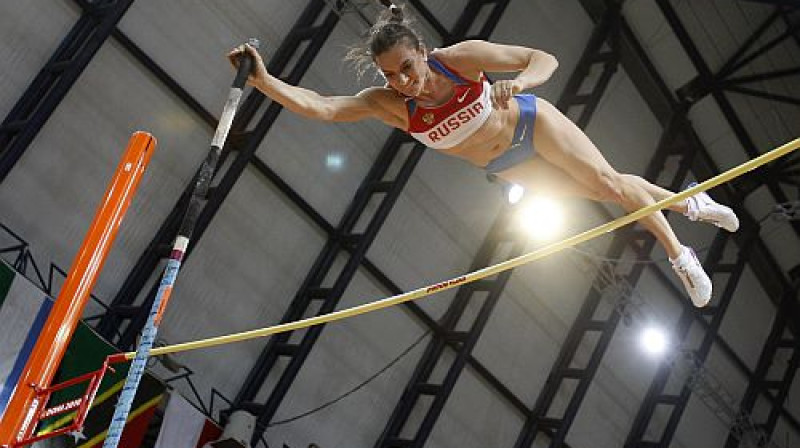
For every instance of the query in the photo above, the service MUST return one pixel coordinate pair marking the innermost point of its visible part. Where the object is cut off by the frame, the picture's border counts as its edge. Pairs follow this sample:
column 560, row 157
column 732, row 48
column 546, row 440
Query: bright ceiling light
column 334, row 162
column 515, row 193
column 654, row 341
column 541, row 217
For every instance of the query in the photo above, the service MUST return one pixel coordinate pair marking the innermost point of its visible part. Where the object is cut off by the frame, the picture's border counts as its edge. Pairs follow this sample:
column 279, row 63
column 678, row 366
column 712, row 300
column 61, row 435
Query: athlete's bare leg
column 540, row 176
column 560, row 142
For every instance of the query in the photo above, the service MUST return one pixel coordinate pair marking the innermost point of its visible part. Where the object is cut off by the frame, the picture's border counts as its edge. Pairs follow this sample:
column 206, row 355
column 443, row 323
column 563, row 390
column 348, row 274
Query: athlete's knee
column 611, row 187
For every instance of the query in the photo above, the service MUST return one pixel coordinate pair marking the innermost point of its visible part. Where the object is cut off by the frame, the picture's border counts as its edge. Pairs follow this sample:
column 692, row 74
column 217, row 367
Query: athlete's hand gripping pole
column 178, row 250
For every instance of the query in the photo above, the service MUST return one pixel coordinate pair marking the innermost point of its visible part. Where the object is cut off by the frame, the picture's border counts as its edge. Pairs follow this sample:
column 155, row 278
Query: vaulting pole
column 20, row 417
column 199, row 194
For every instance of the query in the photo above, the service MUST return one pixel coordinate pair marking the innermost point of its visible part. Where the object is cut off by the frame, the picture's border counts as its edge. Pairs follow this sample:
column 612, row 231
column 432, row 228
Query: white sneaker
column 702, row 208
column 694, row 278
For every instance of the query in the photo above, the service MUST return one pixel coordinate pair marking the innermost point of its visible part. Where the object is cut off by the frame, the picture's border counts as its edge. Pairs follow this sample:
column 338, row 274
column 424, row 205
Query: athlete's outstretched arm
column 308, row 103
column 534, row 66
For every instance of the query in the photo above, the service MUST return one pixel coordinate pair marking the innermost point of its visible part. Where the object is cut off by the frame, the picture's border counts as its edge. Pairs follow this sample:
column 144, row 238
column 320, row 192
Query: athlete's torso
column 485, row 143
column 447, row 125
column 477, row 138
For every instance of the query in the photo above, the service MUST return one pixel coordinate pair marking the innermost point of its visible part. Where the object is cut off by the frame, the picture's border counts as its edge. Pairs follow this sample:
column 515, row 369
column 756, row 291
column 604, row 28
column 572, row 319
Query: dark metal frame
column 500, row 243
column 54, row 80
column 18, row 130
column 656, row 395
column 315, row 297
column 461, row 334
column 125, row 310
column 709, row 83
column 773, row 177
column 305, row 31
column 780, row 340
column 326, row 298
column 673, row 115
column 591, row 320
column 23, row 262
column 590, row 324
column 761, row 260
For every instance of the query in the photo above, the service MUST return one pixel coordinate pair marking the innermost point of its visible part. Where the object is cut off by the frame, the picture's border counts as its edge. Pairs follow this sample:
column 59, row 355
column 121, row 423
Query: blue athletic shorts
column 522, row 145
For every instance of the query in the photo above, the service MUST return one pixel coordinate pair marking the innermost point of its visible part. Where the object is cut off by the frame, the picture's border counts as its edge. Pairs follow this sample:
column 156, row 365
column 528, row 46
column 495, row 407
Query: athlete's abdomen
column 491, row 139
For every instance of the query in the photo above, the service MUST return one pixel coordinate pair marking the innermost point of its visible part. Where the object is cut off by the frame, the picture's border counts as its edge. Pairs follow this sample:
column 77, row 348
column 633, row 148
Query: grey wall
column 256, row 252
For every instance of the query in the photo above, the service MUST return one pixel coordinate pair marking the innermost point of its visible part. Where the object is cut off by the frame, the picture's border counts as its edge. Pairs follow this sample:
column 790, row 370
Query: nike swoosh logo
column 463, row 97
column 521, row 136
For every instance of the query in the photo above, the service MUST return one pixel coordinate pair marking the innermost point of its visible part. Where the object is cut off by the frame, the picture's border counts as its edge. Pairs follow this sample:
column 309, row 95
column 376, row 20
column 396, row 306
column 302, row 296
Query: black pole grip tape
column 245, row 65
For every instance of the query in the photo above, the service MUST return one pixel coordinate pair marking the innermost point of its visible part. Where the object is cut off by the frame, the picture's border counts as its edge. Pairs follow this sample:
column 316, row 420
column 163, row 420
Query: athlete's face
column 405, row 69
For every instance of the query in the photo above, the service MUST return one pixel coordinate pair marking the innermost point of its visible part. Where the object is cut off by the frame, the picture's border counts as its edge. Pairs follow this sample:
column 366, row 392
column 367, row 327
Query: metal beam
column 501, row 242
column 129, row 311
column 278, row 347
column 396, row 431
column 308, row 34
column 712, row 85
column 777, row 342
column 51, row 84
column 590, row 325
column 727, row 67
column 654, row 91
column 765, row 95
column 656, row 393
column 661, row 101
column 314, row 297
column 589, row 320
column 794, row 3
column 762, row 76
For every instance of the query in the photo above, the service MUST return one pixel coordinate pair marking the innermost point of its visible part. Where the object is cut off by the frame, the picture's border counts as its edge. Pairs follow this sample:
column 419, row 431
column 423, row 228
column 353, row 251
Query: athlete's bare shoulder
column 458, row 58
column 388, row 101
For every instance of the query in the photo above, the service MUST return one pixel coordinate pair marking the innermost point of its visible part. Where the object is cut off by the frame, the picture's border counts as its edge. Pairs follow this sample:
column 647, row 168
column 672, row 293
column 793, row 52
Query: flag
column 23, row 311
column 86, row 353
column 184, row 426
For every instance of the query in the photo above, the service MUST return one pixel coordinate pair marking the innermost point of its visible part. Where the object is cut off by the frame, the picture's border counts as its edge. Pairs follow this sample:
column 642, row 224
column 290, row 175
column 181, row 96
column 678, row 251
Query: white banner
column 23, row 312
column 182, row 424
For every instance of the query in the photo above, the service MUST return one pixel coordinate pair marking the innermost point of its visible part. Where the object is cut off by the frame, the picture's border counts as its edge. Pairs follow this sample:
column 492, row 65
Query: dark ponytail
column 391, row 28
column 394, row 11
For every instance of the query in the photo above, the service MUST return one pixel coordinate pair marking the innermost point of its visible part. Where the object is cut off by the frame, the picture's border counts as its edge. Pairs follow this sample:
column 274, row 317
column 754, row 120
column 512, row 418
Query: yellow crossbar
column 487, row 271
